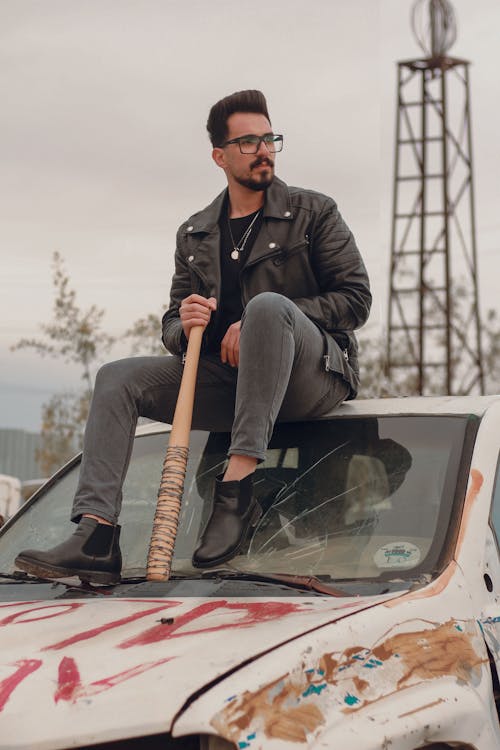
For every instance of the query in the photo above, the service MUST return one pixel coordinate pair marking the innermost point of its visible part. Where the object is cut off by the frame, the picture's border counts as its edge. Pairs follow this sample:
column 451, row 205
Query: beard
column 260, row 182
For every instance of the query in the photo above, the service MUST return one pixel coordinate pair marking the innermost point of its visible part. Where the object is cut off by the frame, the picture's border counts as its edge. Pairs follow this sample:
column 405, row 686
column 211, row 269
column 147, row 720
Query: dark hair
column 250, row 100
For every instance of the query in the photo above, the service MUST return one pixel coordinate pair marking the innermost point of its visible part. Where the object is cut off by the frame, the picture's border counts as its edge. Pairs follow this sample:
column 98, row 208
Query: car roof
column 412, row 405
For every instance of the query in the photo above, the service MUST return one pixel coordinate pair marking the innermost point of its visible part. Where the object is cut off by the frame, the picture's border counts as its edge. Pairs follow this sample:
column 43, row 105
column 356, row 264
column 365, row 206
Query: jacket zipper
column 275, row 252
column 278, row 251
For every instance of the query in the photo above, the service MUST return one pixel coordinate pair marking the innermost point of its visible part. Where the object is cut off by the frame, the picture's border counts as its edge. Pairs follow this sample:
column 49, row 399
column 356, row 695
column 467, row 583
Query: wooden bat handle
column 168, row 505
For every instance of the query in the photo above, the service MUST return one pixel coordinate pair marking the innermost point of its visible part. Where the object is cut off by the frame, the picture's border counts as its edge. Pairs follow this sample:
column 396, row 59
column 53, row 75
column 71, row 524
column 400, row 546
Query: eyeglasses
column 250, row 144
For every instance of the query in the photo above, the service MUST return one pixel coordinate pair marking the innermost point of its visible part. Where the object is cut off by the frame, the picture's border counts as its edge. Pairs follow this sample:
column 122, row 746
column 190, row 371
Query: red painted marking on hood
column 54, row 611
column 69, row 680
column 87, row 634
column 254, row 613
column 71, row 689
column 108, row 682
column 24, row 668
column 17, row 604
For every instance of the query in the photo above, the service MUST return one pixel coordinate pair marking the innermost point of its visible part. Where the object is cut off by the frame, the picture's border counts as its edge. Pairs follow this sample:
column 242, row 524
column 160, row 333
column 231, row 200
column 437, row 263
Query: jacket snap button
column 190, row 229
column 191, row 258
column 272, row 245
column 287, row 214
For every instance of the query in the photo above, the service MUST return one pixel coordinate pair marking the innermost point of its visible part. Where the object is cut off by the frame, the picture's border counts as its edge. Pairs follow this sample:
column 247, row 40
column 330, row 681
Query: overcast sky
column 104, row 152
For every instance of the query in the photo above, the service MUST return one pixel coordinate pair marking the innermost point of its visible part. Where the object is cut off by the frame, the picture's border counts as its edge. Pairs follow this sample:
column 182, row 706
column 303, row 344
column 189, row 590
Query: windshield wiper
column 305, row 583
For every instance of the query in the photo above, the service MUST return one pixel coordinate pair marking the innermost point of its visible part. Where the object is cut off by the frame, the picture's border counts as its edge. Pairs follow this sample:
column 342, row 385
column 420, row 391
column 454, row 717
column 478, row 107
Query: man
column 274, row 276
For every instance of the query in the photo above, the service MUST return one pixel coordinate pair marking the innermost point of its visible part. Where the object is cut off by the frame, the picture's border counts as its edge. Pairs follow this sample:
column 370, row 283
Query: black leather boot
column 92, row 553
column 235, row 511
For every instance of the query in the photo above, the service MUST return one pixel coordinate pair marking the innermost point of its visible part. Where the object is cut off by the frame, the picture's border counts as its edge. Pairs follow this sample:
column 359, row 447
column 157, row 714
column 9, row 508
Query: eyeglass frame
column 261, row 140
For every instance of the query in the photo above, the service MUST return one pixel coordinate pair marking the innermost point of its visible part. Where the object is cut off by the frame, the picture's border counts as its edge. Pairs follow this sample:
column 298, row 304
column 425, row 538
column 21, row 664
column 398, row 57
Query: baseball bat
column 168, row 504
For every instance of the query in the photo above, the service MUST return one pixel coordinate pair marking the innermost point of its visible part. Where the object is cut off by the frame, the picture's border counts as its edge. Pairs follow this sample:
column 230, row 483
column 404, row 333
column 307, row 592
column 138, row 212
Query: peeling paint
column 280, row 712
column 294, row 724
column 314, row 689
column 436, row 653
column 351, row 700
column 295, row 704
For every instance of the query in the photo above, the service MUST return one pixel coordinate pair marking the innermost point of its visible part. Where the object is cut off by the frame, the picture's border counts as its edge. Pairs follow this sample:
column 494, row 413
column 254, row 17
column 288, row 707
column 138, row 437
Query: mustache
column 262, row 160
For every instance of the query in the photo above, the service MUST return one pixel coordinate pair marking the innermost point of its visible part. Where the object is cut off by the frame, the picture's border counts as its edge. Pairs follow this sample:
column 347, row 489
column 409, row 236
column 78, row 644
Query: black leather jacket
column 304, row 251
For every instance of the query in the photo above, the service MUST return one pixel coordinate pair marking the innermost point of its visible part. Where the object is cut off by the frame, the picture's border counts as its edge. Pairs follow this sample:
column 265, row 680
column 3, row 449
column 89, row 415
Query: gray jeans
column 281, row 375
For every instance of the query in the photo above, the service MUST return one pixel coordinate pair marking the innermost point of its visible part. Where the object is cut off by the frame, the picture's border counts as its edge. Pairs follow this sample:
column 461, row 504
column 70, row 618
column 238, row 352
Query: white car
column 363, row 612
column 10, row 496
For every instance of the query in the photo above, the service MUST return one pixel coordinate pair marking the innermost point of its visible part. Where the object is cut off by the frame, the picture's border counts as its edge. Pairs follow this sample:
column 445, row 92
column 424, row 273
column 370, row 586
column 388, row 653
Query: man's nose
column 263, row 150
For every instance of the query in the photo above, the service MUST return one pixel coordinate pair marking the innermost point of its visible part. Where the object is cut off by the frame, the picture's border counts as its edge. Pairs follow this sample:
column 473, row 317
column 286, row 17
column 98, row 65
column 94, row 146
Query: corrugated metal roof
column 17, row 454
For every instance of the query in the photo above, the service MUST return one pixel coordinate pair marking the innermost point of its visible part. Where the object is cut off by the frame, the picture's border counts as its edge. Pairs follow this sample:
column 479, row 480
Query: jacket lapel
column 204, row 234
column 277, row 215
column 203, row 238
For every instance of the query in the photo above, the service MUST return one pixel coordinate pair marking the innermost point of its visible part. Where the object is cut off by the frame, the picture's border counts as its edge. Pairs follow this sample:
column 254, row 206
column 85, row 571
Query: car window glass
column 344, row 498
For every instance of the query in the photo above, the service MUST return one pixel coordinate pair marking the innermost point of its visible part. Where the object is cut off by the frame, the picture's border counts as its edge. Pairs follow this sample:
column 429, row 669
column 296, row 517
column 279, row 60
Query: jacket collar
column 277, row 206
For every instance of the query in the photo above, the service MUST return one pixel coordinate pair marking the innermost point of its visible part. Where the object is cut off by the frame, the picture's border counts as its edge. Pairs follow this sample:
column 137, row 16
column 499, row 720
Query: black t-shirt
column 230, row 307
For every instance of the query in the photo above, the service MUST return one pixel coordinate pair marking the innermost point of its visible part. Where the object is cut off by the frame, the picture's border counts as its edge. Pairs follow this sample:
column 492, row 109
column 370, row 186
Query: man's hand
column 196, row 310
column 230, row 345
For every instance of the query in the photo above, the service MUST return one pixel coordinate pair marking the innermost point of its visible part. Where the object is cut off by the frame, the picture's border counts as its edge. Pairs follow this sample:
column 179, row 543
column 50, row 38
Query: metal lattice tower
column 434, row 334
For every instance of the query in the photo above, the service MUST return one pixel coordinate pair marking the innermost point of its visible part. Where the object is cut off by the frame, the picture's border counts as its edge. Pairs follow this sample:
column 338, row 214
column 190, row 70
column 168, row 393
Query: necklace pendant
column 235, row 254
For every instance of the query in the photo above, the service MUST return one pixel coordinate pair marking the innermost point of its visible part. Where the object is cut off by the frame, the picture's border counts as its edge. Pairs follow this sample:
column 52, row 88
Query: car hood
column 78, row 672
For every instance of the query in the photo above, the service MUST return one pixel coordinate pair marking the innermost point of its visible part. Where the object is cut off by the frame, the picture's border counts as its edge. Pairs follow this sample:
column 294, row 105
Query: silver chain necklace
column 240, row 246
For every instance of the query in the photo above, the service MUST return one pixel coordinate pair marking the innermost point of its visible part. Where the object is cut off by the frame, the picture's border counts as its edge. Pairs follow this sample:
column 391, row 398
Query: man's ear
column 218, row 157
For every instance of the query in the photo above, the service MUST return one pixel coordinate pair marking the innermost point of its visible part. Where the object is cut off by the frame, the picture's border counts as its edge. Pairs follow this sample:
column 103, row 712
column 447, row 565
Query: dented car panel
column 88, row 659
column 397, row 520
column 419, row 662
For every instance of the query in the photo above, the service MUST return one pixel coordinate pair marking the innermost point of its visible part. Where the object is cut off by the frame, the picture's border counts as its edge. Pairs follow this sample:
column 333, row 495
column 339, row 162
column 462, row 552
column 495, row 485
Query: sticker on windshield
column 397, row 555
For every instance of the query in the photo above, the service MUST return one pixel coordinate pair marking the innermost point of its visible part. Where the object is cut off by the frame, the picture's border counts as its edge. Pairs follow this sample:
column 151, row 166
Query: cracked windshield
column 364, row 498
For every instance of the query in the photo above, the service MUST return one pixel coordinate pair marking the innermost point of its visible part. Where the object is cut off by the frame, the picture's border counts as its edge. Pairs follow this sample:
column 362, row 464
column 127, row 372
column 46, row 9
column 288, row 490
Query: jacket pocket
column 287, row 252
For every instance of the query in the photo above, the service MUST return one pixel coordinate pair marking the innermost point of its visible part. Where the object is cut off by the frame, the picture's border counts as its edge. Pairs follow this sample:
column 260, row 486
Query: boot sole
column 41, row 570
column 224, row 558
